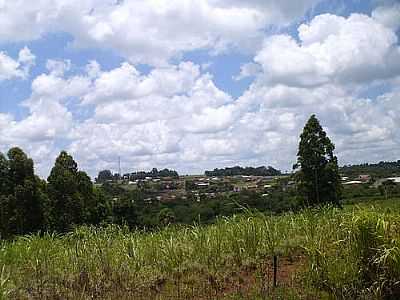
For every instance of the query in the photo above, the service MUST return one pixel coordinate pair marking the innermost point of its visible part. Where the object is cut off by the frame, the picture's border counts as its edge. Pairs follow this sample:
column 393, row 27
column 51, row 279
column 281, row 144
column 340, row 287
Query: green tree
column 104, row 176
column 4, row 195
column 101, row 211
column 386, row 188
column 317, row 175
column 70, row 192
column 4, row 178
column 21, row 206
column 166, row 216
column 72, row 197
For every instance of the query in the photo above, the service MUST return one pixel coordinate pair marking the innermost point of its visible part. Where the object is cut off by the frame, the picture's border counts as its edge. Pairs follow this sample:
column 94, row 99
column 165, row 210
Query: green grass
column 329, row 253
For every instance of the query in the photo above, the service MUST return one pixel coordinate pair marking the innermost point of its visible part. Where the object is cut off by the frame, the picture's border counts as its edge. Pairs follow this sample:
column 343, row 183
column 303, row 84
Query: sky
column 197, row 84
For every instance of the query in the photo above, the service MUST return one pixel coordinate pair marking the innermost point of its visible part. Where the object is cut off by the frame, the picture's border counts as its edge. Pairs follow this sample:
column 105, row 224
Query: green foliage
column 73, row 200
column 360, row 191
column 354, row 255
column 130, row 208
column 4, row 279
column 388, row 188
column 104, row 176
column 347, row 254
column 237, row 170
column 154, row 173
column 318, row 177
column 66, row 199
column 379, row 170
column 166, row 216
column 21, row 201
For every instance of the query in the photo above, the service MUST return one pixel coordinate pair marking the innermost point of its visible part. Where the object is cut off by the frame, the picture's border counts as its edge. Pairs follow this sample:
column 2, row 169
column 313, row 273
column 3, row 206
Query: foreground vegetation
column 349, row 253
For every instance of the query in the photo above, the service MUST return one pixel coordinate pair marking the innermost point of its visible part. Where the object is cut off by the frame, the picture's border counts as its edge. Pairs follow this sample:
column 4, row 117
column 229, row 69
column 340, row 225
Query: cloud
column 272, row 128
column 25, row 21
column 388, row 15
column 324, row 73
column 49, row 120
column 16, row 68
column 277, row 12
column 126, row 83
column 332, row 49
column 248, row 70
column 149, row 117
column 176, row 116
column 269, row 116
column 212, row 119
column 140, row 117
column 150, row 32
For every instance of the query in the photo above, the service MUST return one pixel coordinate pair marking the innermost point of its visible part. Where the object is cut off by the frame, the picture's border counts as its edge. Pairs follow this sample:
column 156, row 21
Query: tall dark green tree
column 73, row 199
column 5, row 186
column 96, row 209
column 64, row 189
column 21, row 205
column 317, row 175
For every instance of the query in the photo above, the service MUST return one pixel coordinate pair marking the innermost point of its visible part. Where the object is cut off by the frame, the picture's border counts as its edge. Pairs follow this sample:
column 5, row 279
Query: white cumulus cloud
column 332, row 49
column 149, row 31
column 176, row 116
column 16, row 68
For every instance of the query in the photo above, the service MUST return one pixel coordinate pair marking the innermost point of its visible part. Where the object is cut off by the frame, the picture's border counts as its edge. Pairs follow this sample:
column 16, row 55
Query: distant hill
column 378, row 170
column 248, row 171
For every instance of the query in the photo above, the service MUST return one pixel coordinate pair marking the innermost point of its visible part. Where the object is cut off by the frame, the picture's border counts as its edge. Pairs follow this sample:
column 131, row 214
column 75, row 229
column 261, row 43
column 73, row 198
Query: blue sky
column 193, row 85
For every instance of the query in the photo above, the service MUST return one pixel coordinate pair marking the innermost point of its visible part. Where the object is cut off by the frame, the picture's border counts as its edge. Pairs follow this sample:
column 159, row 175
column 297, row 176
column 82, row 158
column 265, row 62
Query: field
column 328, row 253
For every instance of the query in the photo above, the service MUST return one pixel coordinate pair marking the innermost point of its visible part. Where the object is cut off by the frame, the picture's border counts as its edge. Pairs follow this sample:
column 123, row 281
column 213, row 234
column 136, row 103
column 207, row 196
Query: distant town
column 167, row 185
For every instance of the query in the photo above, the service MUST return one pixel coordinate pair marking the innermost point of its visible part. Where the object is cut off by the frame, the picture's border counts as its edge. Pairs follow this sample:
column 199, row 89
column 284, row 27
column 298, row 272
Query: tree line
column 107, row 175
column 247, row 171
column 68, row 198
column 381, row 169
column 29, row 204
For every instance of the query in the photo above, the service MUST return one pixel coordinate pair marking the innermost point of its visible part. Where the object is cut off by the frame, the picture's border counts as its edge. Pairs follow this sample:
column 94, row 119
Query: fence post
column 275, row 269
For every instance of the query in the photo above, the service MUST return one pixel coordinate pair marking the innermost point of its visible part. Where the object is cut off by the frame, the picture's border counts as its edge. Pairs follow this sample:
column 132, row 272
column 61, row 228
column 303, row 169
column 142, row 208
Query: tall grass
column 351, row 253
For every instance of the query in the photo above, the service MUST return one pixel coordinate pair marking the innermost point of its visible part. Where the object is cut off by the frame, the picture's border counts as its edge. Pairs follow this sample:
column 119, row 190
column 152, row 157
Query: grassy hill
column 321, row 254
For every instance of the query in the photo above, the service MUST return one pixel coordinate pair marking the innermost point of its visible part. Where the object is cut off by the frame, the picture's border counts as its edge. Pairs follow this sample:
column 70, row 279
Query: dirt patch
column 247, row 282
column 260, row 276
